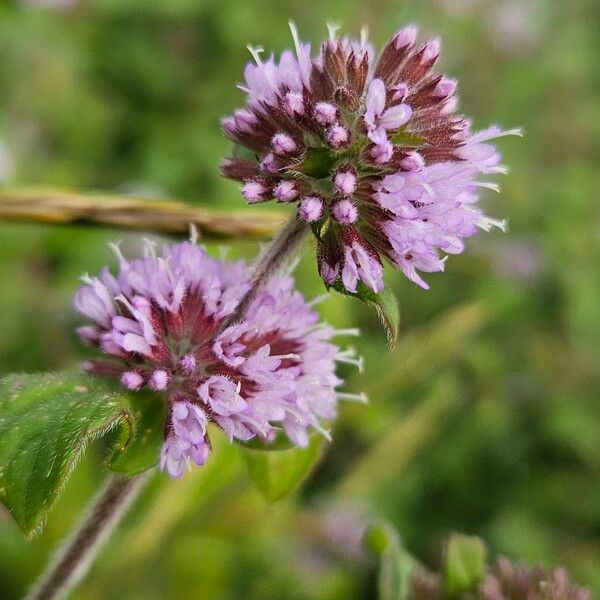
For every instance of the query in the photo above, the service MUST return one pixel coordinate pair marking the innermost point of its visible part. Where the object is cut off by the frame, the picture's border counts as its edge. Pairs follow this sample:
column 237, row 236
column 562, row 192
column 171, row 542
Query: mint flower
column 163, row 322
column 506, row 581
column 370, row 149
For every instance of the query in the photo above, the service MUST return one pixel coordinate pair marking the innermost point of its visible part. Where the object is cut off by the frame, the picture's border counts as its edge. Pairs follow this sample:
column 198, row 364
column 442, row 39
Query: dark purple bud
column 269, row 163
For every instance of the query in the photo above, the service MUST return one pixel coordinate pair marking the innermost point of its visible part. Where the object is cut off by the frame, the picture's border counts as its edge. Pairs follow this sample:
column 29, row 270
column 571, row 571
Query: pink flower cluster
column 163, row 322
column 371, row 150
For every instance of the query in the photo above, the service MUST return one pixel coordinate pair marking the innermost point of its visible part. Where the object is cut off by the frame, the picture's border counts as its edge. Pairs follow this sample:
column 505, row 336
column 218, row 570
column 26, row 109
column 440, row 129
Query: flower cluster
column 168, row 323
column 507, row 581
column 370, row 149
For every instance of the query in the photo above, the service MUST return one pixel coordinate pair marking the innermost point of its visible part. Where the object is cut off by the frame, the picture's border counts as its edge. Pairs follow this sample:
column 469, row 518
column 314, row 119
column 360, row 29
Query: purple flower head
column 161, row 321
column 379, row 131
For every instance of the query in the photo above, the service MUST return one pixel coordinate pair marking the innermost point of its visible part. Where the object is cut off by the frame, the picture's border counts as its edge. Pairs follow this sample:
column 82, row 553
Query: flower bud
column 283, row 144
column 132, row 380
column 159, row 380
column 382, row 153
column 344, row 212
column 338, row 137
column 245, row 120
column 254, row 190
column 406, row 37
column 344, row 181
column 269, row 163
column 431, row 51
column 445, row 87
column 293, row 103
column 325, row 113
column 413, row 162
column 188, row 364
column 285, row 191
column 311, row 208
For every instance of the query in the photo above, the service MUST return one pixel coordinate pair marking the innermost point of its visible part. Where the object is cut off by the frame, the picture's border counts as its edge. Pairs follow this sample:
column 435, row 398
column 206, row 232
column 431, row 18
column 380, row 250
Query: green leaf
column 386, row 304
column 46, row 422
column 406, row 138
column 143, row 451
column 396, row 565
column 277, row 469
column 318, row 163
column 244, row 153
column 464, row 566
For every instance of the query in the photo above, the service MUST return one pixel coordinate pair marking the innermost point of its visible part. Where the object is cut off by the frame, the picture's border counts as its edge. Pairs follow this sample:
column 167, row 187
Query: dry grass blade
column 162, row 216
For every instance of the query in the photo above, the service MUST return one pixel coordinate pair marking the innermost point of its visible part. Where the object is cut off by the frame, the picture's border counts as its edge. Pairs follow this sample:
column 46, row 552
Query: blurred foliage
column 485, row 419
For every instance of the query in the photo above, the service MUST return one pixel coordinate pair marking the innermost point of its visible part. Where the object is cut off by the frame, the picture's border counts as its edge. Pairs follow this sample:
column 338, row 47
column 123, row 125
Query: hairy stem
column 74, row 559
column 164, row 216
column 284, row 247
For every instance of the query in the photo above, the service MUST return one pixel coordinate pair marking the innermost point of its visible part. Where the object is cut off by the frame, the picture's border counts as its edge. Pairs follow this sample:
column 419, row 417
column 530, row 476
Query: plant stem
column 72, row 561
column 280, row 251
column 164, row 216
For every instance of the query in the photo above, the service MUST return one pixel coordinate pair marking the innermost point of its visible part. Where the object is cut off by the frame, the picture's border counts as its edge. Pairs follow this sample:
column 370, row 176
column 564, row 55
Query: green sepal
column 385, row 302
column 396, row 565
column 464, row 565
column 278, row 468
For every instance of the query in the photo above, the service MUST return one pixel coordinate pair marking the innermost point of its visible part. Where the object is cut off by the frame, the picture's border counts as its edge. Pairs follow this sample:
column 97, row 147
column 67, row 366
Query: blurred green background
column 486, row 417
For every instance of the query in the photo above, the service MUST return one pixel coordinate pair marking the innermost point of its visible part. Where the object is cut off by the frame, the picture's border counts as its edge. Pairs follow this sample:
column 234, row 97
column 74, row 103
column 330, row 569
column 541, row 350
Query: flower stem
column 280, row 251
column 72, row 561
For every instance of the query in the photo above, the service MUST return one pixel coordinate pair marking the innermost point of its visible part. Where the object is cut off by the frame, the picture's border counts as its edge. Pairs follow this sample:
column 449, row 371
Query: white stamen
column 518, row 131
column 502, row 169
column 284, row 356
column 332, row 29
column 318, row 300
column 295, row 37
column 116, row 248
column 165, row 266
column 326, row 433
column 430, row 191
column 353, row 331
column 121, row 298
column 364, row 36
column 350, row 359
column 194, row 234
column 362, row 397
column 486, row 223
column 149, row 248
column 256, row 52
column 483, row 184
